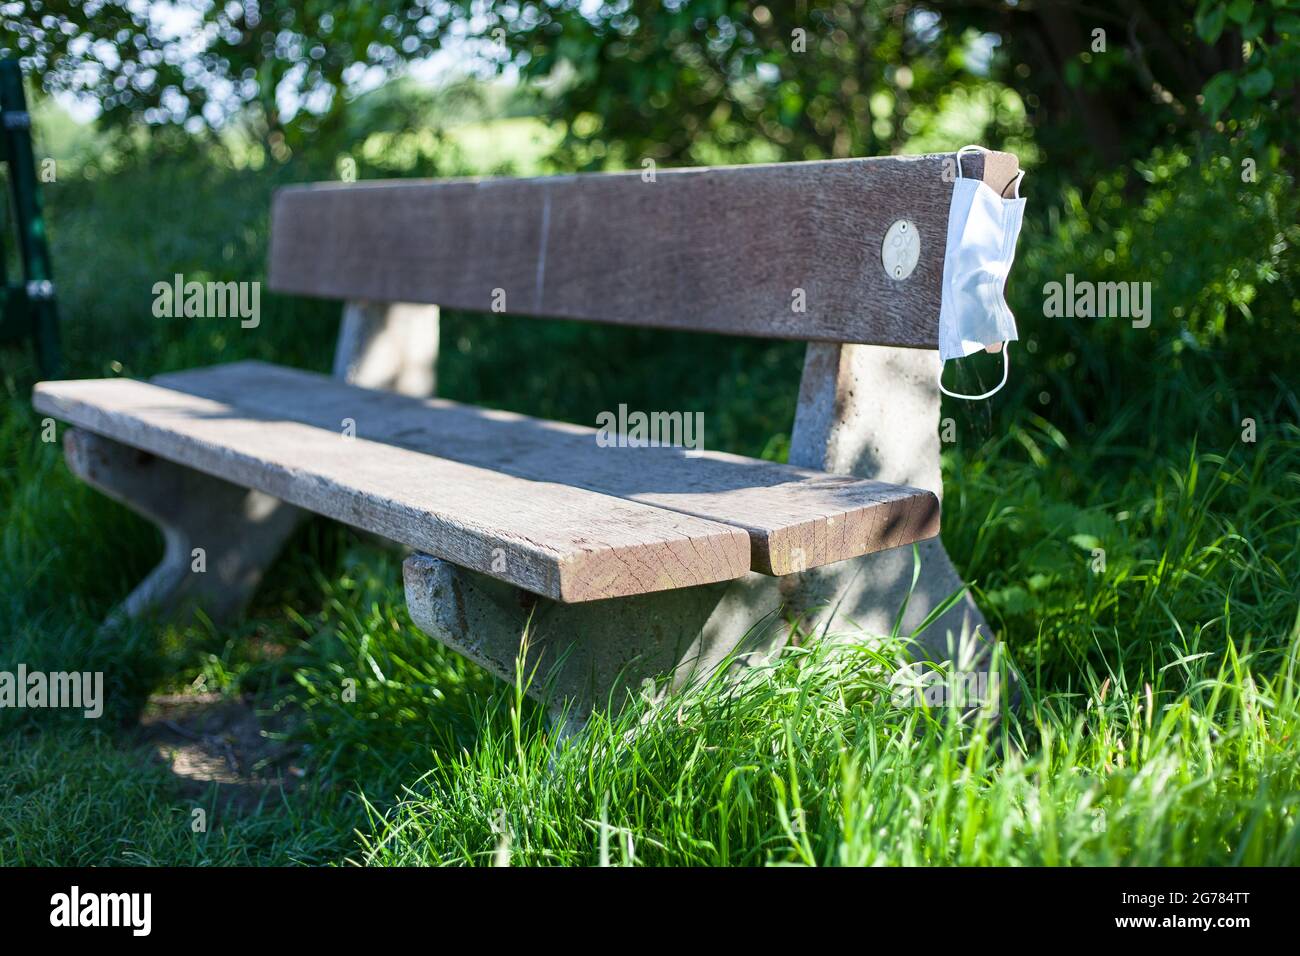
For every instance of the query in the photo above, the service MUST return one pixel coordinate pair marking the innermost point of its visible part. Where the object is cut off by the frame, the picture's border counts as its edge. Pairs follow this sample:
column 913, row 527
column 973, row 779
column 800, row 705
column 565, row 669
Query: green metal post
column 38, row 282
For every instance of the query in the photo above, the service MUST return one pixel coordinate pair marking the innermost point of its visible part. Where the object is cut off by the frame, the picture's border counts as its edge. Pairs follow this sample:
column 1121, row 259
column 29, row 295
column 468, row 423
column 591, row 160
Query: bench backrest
column 790, row 250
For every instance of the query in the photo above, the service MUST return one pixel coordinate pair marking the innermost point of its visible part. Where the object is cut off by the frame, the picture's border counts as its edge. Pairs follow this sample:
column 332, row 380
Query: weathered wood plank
column 796, row 518
column 552, row 539
column 717, row 249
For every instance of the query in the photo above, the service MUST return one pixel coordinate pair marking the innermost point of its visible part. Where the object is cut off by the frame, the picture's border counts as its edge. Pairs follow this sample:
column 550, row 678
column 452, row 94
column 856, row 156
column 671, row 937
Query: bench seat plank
column 552, row 539
column 796, row 518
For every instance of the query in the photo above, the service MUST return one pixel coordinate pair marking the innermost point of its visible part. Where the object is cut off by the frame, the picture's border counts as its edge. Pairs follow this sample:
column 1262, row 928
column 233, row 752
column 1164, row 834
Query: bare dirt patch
column 208, row 740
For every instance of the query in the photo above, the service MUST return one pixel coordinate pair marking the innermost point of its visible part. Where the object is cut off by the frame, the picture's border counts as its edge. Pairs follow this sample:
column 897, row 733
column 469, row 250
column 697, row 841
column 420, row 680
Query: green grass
column 812, row 763
column 1158, row 704
column 77, row 798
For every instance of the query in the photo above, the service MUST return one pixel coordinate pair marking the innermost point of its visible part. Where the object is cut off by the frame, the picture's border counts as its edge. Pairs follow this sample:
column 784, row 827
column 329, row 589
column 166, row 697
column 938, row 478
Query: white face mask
column 982, row 232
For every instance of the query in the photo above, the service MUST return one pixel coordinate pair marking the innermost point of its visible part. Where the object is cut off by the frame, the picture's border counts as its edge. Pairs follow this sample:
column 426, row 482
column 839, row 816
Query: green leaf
column 1257, row 83
column 1087, row 542
column 1240, row 10
column 1209, row 25
column 1218, row 93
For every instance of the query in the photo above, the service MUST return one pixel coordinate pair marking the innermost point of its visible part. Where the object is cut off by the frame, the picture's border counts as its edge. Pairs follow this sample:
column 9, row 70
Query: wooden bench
column 621, row 562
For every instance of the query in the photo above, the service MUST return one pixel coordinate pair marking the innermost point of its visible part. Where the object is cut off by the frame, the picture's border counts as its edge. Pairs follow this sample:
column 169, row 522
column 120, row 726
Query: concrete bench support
column 588, row 655
column 241, row 531
column 873, row 411
column 238, row 531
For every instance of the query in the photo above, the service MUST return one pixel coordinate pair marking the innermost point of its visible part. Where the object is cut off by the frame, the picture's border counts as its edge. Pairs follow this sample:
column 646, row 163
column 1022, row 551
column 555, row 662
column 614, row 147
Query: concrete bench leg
column 237, row 532
column 873, row 411
column 590, row 655
column 389, row 346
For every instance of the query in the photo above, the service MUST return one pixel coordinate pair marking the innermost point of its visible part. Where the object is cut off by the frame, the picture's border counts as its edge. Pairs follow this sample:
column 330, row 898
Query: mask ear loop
column 1006, row 370
column 971, row 148
column 1015, row 184
column 975, row 148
